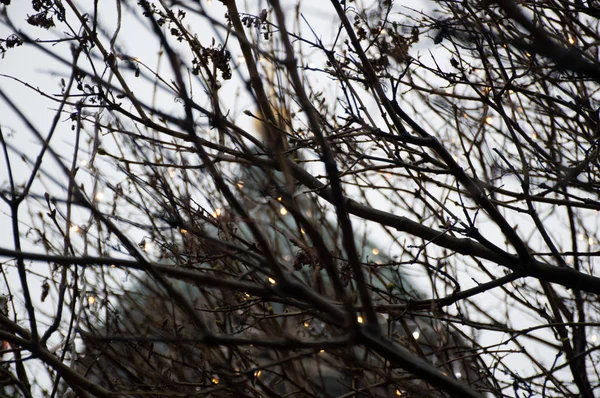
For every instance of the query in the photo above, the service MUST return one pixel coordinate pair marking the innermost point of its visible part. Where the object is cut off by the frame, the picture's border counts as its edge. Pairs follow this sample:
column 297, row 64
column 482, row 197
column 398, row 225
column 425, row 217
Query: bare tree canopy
column 299, row 199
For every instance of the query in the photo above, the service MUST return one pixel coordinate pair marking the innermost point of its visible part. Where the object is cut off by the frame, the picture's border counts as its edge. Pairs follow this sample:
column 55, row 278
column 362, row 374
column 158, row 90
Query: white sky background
column 39, row 70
